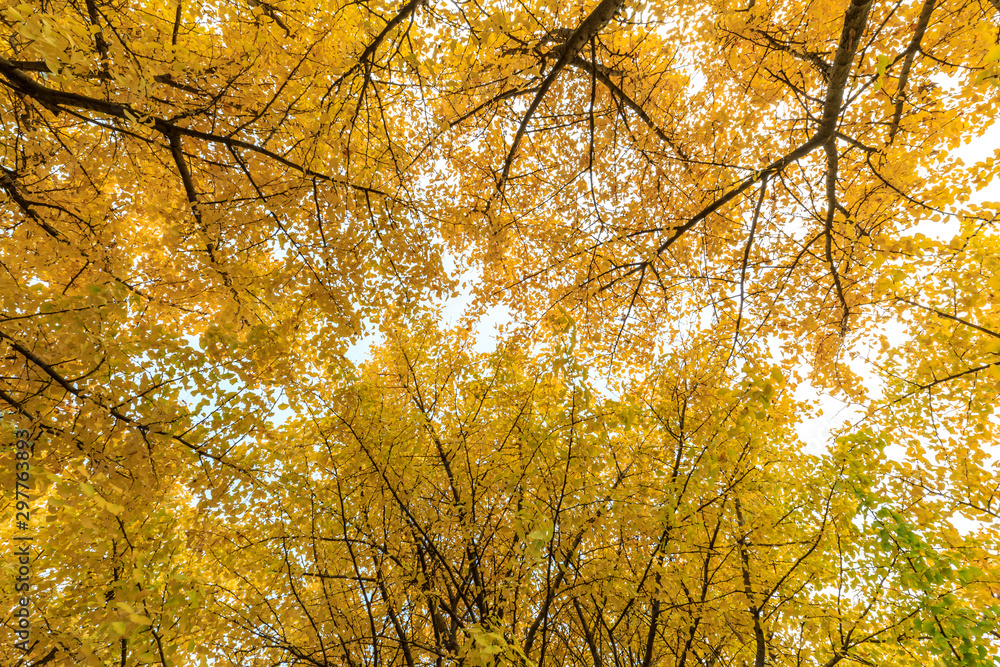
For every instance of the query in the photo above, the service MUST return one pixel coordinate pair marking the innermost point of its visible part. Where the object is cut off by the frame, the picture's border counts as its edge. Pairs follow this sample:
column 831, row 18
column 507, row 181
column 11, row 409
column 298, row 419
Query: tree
column 705, row 203
column 496, row 508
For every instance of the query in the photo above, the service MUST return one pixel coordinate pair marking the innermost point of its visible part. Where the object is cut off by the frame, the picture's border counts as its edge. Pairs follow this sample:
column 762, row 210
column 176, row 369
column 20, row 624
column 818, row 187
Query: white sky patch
column 978, row 149
column 816, row 433
column 490, row 326
column 973, row 151
column 966, row 525
column 360, row 351
column 452, row 310
column 281, row 411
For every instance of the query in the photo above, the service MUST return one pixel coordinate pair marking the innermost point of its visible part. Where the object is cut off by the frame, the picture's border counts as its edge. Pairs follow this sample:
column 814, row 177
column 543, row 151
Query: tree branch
column 904, row 74
column 591, row 26
column 953, row 376
column 760, row 654
column 112, row 411
column 743, row 267
column 813, row 59
column 954, row 318
column 854, row 24
column 831, row 209
column 404, row 13
column 177, row 23
column 10, row 187
column 855, row 21
column 598, row 72
column 54, row 99
column 99, row 42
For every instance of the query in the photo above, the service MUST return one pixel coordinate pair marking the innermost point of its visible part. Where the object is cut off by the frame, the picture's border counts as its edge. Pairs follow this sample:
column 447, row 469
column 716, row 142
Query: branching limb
column 177, row 23
column 598, row 72
column 595, row 654
column 143, row 429
column 831, row 208
column 99, row 41
column 904, row 74
column 272, row 13
column 589, row 29
column 403, row 14
column 854, row 142
column 177, row 152
column 58, row 101
column 948, row 378
column 953, row 318
column 760, row 643
column 42, row 66
column 746, row 184
column 46, row 659
column 855, row 21
column 743, row 267
column 10, row 187
column 647, row 659
column 854, row 24
column 814, row 59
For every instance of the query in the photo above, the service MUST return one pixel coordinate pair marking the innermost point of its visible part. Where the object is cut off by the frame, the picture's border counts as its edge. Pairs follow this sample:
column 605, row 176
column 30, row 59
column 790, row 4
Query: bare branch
column 948, row 378
column 99, row 42
column 850, row 38
column 404, row 13
column 814, row 59
column 760, row 654
column 177, row 23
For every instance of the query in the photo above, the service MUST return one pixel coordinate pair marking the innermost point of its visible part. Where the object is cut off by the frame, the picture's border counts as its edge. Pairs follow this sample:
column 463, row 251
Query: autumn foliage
column 235, row 237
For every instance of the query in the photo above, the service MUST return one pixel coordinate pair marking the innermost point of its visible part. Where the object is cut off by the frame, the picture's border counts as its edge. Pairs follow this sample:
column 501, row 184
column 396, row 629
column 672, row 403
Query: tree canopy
column 700, row 215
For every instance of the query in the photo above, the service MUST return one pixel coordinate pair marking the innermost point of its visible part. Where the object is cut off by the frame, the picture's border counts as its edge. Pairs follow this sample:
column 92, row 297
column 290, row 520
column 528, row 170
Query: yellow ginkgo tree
column 443, row 507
